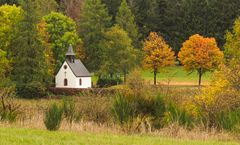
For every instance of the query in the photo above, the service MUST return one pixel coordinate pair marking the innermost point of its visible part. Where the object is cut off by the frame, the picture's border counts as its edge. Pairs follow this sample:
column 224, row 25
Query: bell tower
column 70, row 56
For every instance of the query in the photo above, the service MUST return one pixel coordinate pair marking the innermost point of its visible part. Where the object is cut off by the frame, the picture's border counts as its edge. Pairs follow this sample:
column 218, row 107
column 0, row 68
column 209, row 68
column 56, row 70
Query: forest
column 168, row 68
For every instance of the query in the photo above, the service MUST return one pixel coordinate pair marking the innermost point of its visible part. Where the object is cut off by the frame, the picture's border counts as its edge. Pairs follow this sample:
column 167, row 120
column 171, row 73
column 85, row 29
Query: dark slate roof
column 78, row 68
column 70, row 51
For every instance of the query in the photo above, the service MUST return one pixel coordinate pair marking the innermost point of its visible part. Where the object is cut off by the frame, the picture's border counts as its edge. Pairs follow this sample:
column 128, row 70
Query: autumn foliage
column 158, row 53
column 201, row 54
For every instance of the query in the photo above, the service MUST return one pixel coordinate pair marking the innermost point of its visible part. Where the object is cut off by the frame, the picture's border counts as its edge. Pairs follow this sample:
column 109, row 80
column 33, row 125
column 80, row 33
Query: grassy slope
column 176, row 74
column 16, row 136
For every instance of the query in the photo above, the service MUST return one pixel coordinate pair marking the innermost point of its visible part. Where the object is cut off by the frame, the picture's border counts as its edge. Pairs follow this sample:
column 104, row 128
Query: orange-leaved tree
column 200, row 54
column 158, row 54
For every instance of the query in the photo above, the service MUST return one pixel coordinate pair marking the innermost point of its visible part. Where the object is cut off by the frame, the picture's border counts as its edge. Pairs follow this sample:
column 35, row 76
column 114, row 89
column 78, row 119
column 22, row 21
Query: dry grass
column 34, row 110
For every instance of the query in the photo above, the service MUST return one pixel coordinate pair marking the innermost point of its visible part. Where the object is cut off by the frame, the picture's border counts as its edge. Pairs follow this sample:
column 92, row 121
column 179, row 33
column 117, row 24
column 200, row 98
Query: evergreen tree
column 10, row 2
column 112, row 6
column 28, row 67
column 94, row 20
column 125, row 19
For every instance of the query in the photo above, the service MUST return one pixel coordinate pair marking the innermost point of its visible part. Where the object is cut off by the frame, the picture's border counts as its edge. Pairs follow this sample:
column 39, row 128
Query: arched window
column 80, row 82
column 65, row 82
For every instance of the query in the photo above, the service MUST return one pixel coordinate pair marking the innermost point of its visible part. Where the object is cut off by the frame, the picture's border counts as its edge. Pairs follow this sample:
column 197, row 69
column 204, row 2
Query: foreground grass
column 20, row 136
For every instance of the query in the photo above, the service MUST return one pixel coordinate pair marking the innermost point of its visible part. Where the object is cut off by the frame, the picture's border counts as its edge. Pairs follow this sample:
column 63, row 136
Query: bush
column 53, row 117
column 32, row 90
column 9, row 110
column 122, row 111
column 107, row 82
column 96, row 108
column 69, row 110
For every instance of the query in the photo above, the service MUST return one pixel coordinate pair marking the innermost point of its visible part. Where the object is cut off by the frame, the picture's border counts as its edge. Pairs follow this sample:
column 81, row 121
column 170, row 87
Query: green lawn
column 19, row 136
column 176, row 74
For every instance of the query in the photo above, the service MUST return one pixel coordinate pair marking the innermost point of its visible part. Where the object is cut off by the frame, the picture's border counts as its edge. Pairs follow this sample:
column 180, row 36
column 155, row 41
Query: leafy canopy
column 4, row 64
column 62, row 32
column 158, row 53
column 232, row 45
column 9, row 16
column 119, row 53
column 200, row 53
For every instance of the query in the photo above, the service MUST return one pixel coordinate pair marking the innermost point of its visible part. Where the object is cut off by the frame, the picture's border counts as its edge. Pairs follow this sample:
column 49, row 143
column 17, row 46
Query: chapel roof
column 78, row 68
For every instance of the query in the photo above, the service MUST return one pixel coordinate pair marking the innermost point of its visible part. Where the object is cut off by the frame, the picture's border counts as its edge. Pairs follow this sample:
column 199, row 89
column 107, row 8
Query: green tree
column 232, row 45
column 112, row 6
column 4, row 65
column 9, row 16
column 120, row 56
column 125, row 19
column 9, row 2
column 62, row 32
column 94, row 20
column 45, row 7
column 29, row 66
column 185, row 18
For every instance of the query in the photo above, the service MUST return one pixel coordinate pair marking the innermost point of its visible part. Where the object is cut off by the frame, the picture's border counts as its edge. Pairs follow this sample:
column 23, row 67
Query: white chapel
column 73, row 74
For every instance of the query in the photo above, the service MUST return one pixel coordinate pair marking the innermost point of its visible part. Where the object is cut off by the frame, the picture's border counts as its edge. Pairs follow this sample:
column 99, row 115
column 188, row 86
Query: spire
column 70, row 56
column 70, row 51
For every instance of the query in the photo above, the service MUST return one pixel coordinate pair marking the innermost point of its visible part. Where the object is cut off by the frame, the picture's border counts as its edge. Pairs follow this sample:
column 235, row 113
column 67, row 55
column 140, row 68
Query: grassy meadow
column 17, row 136
column 97, row 125
column 176, row 76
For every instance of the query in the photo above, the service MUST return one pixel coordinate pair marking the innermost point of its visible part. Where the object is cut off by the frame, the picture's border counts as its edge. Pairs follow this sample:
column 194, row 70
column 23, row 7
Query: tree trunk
column 155, row 76
column 200, row 77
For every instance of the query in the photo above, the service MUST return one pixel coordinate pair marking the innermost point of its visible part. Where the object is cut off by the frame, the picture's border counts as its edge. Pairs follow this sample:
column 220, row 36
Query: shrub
column 53, row 117
column 32, row 90
column 122, row 111
column 69, row 110
column 96, row 108
column 107, row 82
column 9, row 110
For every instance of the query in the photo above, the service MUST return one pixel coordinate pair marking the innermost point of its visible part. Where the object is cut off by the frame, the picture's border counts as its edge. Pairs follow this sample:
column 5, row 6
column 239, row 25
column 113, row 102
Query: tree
column 9, row 2
column 126, row 20
column 94, row 20
column 26, row 49
column 201, row 54
column 232, row 45
column 9, row 16
column 48, row 52
column 44, row 7
column 62, row 32
column 210, row 18
column 118, row 51
column 4, row 65
column 158, row 54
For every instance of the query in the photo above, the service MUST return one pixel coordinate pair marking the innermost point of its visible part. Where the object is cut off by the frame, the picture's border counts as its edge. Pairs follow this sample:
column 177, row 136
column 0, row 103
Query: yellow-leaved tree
column 158, row 54
column 200, row 54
